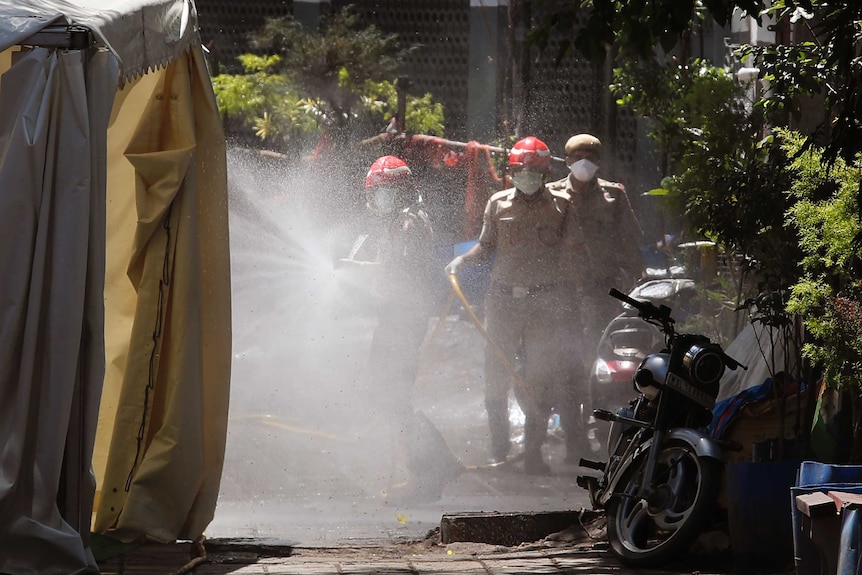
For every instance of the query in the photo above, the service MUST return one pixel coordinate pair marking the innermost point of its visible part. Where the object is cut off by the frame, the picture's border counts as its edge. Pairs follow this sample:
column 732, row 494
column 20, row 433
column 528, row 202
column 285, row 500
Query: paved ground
column 428, row 557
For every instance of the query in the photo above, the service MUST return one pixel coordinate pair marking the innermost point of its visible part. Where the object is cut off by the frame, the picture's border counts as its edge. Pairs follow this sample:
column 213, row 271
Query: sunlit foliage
column 340, row 80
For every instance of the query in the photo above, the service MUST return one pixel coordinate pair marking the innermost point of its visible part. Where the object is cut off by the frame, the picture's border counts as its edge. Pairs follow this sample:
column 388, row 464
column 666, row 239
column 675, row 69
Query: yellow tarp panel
column 168, row 314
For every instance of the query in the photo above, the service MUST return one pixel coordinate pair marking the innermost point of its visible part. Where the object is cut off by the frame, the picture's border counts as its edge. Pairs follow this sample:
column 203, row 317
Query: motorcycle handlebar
column 648, row 311
column 638, row 305
column 732, row 363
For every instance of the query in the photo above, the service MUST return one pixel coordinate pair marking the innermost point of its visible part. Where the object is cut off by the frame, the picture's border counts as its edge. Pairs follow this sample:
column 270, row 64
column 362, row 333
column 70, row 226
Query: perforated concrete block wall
column 226, row 25
column 440, row 30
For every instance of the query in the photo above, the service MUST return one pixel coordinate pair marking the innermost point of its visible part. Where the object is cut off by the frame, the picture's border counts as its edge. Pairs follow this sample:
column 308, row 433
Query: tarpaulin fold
column 142, row 34
column 164, row 465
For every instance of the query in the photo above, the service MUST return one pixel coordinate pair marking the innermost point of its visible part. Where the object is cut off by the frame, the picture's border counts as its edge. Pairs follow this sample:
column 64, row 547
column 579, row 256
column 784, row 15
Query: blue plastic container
column 851, row 541
column 816, row 473
column 815, row 476
column 760, row 528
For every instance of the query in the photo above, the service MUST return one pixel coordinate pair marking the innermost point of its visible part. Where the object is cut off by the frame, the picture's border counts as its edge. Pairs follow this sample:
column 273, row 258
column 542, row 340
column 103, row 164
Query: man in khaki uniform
column 523, row 228
column 602, row 250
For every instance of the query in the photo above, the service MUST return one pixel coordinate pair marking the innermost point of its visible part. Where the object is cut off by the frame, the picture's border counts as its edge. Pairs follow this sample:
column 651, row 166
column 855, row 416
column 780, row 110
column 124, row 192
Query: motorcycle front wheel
column 652, row 531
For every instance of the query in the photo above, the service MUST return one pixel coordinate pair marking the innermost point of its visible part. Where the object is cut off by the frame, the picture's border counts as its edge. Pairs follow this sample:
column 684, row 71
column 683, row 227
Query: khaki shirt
column 603, row 236
column 525, row 234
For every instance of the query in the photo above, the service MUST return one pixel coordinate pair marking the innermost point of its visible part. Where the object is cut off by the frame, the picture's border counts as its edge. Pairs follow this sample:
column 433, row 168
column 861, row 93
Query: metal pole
column 443, row 142
column 401, row 86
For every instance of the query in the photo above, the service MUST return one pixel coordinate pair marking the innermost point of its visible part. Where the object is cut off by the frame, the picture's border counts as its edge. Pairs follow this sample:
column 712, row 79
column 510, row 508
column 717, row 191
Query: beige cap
column 584, row 142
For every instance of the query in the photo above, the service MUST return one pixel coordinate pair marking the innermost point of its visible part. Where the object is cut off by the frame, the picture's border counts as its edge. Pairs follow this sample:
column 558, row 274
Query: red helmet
column 386, row 170
column 531, row 152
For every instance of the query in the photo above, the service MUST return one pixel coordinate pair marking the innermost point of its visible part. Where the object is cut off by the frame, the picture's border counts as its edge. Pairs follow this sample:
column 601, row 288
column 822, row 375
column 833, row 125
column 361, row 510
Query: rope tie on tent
column 164, row 281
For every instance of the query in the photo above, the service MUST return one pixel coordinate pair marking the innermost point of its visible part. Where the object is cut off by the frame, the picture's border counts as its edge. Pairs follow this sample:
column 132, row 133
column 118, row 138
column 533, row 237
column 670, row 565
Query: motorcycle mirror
column 732, row 363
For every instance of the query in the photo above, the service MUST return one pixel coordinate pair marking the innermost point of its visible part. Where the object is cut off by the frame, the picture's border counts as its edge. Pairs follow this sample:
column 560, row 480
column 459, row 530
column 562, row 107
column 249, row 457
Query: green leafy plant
column 633, row 29
column 726, row 183
column 339, row 81
column 327, row 64
column 423, row 115
column 790, row 207
column 824, row 63
column 685, row 101
column 825, row 214
column 264, row 101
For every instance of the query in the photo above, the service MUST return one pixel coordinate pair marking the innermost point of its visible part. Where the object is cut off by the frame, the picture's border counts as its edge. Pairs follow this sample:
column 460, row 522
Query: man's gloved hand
column 455, row 265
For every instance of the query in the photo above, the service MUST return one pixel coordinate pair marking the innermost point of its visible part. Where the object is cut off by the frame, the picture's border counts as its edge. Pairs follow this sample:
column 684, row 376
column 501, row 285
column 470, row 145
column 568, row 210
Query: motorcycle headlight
column 704, row 363
column 649, row 375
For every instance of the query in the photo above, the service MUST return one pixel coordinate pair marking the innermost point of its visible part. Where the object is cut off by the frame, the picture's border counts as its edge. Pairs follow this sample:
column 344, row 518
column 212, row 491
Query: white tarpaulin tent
column 115, row 304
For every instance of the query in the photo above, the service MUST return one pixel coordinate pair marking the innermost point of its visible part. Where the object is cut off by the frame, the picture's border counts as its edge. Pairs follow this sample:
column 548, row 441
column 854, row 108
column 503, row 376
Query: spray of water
column 305, row 444
column 300, row 337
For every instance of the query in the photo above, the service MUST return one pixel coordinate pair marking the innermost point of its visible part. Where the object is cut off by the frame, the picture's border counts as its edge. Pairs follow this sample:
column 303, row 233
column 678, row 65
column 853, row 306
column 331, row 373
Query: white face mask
column 583, row 170
column 381, row 200
column 528, row 182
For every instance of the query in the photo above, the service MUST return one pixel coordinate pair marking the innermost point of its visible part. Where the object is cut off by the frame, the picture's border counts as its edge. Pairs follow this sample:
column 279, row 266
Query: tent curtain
column 115, row 305
column 750, row 348
column 52, row 206
column 170, row 384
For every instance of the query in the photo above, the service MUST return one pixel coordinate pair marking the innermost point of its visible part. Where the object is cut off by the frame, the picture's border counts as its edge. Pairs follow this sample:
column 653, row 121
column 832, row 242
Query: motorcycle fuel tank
column 651, row 373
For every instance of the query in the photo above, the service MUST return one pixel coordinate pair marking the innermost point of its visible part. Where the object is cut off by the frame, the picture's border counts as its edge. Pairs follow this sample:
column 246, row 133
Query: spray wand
column 501, row 355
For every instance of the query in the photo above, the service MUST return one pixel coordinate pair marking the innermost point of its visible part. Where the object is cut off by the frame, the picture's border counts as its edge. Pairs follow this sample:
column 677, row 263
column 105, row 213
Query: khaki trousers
column 527, row 330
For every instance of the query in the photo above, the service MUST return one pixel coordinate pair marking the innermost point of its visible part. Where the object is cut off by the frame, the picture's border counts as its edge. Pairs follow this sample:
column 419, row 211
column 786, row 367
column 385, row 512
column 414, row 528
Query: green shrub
column 337, row 80
column 829, row 296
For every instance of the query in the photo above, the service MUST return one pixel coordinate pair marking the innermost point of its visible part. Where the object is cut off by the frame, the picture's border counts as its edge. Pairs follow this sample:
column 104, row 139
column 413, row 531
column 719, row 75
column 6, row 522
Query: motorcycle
column 624, row 343
column 661, row 481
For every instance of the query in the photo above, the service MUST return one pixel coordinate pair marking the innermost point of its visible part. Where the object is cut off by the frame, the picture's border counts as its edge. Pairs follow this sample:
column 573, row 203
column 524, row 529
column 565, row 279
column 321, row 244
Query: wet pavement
column 293, row 474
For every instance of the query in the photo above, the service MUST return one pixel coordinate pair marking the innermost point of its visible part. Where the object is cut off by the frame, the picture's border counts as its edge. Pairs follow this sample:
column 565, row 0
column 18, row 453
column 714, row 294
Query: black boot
column 498, row 423
column 535, row 430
